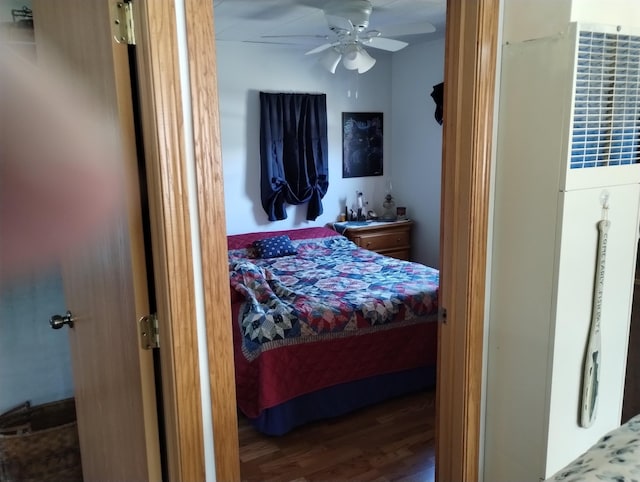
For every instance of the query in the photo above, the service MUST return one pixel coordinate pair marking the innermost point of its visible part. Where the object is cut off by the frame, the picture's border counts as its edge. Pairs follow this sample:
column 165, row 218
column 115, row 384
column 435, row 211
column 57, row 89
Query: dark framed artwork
column 361, row 144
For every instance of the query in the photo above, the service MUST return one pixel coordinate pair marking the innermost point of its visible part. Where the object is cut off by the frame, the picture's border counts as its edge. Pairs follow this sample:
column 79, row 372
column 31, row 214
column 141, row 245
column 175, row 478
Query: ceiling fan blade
column 325, row 37
column 321, row 48
column 266, row 42
column 407, row 29
column 383, row 43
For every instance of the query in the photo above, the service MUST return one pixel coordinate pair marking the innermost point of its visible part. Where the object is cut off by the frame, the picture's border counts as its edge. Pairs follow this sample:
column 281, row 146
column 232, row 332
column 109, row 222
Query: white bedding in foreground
column 615, row 457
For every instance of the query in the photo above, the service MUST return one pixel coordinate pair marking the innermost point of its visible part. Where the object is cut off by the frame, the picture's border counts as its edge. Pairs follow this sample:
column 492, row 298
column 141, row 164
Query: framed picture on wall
column 361, row 144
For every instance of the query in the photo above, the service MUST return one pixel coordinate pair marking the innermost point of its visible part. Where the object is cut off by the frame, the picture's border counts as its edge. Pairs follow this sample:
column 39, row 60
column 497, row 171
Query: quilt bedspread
column 291, row 370
column 331, row 314
column 330, row 287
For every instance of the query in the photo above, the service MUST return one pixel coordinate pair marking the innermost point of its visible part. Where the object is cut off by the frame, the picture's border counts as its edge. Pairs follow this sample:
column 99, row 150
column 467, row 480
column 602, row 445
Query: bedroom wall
column 245, row 69
column 35, row 362
column 417, row 143
column 281, row 69
column 7, row 5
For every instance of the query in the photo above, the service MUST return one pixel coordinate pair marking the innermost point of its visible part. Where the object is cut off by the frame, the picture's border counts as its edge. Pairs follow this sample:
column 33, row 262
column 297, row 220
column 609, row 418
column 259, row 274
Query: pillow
column 274, row 247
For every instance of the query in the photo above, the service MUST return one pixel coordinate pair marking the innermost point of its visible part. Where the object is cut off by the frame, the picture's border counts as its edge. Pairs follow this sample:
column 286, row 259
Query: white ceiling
column 252, row 20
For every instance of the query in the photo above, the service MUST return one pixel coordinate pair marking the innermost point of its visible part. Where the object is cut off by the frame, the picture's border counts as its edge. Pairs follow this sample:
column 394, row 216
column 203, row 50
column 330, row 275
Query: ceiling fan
column 348, row 22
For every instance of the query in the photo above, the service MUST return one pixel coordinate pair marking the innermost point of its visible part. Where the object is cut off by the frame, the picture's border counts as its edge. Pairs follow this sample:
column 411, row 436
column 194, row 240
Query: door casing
column 470, row 70
column 166, row 145
column 471, row 49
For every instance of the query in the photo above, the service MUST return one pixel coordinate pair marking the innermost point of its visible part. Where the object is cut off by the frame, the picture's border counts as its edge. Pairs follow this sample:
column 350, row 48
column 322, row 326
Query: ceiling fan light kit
column 365, row 61
column 357, row 58
column 350, row 57
column 354, row 57
column 330, row 60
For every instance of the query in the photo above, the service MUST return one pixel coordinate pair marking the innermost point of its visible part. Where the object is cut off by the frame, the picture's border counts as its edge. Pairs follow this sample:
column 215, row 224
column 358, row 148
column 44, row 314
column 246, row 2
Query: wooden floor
column 393, row 441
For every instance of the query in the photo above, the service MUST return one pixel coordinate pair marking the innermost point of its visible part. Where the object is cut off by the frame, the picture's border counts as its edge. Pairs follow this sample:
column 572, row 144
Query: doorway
column 469, row 92
column 415, row 167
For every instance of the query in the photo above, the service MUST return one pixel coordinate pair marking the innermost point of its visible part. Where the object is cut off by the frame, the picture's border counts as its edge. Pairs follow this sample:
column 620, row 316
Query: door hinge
column 149, row 332
column 122, row 22
column 442, row 314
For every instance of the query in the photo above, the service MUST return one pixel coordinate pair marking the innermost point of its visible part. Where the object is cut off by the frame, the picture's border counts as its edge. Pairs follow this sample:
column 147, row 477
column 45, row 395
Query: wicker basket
column 40, row 443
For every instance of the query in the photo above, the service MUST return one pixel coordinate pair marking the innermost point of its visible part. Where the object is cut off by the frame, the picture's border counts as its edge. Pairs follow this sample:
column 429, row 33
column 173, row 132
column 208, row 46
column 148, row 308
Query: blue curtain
column 293, row 152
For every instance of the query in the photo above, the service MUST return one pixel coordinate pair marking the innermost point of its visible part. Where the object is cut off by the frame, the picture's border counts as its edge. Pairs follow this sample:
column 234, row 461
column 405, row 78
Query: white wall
column 7, row 5
column 417, row 143
column 35, row 362
column 245, row 69
column 276, row 69
column 525, row 20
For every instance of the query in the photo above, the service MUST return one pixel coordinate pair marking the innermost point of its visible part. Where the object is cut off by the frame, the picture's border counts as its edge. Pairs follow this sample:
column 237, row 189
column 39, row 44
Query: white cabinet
column 569, row 134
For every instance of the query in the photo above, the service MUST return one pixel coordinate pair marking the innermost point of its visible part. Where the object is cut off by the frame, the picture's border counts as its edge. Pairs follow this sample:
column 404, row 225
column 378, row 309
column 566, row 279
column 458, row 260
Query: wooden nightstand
column 388, row 238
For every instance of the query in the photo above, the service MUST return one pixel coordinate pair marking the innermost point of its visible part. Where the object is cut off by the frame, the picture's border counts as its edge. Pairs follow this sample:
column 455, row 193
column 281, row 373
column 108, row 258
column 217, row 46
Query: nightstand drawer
column 388, row 238
column 375, row 242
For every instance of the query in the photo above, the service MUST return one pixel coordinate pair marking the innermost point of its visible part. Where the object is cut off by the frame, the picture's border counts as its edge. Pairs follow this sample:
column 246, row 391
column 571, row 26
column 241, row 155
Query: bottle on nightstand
column 389, row 205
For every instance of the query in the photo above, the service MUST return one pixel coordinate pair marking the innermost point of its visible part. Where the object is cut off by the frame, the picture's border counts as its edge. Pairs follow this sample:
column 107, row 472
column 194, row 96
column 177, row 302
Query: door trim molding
column 211, row 208
column 171, row 241
column 470, row 74
column 164, row 142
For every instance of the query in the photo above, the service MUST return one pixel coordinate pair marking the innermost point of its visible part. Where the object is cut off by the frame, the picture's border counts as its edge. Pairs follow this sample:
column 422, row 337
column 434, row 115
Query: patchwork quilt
column 330, row 287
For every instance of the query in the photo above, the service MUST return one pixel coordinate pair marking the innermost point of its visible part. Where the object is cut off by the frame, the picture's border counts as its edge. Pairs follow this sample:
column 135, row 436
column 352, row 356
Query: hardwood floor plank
column 256, row 450
column 391, row 441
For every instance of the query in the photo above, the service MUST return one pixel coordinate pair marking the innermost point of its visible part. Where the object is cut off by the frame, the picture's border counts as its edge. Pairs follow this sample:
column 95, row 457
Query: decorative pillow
column 274, row 247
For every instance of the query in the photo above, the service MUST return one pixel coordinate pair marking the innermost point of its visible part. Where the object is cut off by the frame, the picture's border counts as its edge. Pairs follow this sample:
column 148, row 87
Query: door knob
column 58, row 321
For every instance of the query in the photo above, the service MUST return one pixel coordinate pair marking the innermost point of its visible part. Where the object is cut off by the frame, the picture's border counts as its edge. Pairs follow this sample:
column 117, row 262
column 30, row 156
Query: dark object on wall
column 293, row 152
column 438, row 94
column 22, row 17
column 361, row 144
column 40, row 442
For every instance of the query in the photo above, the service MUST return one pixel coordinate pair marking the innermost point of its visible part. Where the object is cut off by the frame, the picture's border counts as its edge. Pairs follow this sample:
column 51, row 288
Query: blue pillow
column 274, row 247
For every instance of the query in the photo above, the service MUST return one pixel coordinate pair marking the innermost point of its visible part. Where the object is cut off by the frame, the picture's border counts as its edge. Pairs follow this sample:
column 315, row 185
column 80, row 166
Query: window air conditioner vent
column 606, row 116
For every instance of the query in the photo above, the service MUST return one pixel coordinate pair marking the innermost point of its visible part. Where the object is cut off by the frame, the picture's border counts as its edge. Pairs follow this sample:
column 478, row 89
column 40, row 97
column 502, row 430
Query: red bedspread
column 280, row 375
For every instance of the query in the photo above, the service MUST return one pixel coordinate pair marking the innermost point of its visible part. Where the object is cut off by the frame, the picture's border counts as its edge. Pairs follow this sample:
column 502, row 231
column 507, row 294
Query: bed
column 322, row 327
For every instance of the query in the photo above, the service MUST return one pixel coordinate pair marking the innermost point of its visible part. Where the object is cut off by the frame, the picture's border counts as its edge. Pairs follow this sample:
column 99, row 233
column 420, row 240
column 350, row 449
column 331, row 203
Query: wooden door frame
column 471, row 49
column 470, row 69
column 166, row 146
